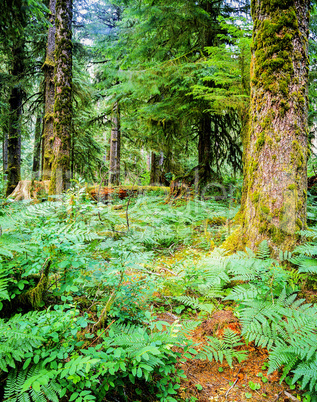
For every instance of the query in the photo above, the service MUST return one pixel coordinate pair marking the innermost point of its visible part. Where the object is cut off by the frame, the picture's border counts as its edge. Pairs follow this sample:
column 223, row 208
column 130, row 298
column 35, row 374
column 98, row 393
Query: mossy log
column 103, row 194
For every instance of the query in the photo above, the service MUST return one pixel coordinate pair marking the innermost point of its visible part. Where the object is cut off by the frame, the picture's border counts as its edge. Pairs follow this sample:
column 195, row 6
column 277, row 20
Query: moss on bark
column 275, row 147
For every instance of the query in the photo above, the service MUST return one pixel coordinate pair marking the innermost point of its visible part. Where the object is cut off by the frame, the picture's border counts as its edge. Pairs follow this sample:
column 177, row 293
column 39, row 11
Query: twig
column 101, row 333
column 290, row 396
column 233, row 385
column 278, row 396
column 168, row 270
column 103, row 314
column 149, row 272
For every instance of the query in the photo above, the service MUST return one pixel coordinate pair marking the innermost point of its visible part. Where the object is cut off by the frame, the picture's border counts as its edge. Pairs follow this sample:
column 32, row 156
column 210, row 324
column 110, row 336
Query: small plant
column 254, row 385
column 220, row 349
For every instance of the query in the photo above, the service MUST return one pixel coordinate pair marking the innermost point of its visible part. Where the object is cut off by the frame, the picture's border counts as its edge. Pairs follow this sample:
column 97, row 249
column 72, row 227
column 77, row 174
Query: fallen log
column 104, row 194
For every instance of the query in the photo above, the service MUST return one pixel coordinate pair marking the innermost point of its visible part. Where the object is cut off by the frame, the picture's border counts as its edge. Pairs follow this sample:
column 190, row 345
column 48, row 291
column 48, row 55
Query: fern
column 264, row 251
column 18, row 387
column 220, row 349
column 307, row 372
column 194, row 303
column 16, row 339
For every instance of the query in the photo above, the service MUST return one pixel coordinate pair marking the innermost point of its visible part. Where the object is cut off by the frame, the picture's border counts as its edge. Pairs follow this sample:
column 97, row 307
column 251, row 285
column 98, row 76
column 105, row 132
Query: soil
column 212, row 381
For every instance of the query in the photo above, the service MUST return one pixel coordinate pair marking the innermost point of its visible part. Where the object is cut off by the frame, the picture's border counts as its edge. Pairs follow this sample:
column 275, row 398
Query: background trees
column 178, row 73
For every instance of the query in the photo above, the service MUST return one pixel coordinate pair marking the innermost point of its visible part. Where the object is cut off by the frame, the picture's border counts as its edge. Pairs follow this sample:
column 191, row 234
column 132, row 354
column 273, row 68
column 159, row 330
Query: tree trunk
column 49, row 96
column 115, row 144
column 63, row 111
column 15, row 115
column 276, row 144
column 37, row 147
column 204, row 150
column 154, row 174
column 5, row 152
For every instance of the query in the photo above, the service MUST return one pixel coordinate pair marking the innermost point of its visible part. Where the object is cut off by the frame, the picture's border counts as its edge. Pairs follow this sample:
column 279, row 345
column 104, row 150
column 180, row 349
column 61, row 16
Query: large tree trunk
column 157, row 170
column 15, row 116
column 37, row 147
column 115, row 144
column 49, row 95
column 63, row 111
column 276, row 144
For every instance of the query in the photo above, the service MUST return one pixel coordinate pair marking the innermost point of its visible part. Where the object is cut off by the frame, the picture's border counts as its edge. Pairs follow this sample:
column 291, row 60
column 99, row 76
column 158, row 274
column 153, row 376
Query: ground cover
column 136, row 301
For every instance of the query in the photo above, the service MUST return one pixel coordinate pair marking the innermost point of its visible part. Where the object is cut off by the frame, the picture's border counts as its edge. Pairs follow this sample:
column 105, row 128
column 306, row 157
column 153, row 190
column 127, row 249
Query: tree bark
column 49, row 96
column 5, row 152
column 15, row 116
column 276, row 144
column 37, row 147
column 115, row 145
column 63, row 111
column 204, row 150
column 157, row 169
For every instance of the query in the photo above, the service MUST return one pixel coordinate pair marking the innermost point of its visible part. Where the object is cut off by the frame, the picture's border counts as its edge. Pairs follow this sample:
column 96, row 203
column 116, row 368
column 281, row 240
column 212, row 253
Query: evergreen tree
column 63, row 109
column 276, row 146
column 49, row 96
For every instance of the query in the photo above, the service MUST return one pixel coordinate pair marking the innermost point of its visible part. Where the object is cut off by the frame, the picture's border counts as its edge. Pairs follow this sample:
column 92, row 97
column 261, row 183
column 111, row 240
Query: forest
column 158, row 200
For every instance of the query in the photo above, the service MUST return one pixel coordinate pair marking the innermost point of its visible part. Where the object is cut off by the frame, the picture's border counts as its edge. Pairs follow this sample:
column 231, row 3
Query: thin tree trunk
column 204, row 150
column 37, row 147
column 63, row 111
column 49, row 95
column 154, row 169
column 276, row 144
column 115, row 145
column 5, row 152
column 14, row 123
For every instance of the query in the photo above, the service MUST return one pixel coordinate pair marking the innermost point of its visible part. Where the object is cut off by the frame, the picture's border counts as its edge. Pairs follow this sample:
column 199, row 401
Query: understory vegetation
column 85, row 288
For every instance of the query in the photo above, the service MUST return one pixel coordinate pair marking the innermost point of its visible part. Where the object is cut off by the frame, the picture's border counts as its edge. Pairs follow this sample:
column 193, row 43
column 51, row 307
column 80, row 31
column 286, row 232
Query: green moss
column 265, row 209
column 255, row 197
column 260, row 141
column 292, row 187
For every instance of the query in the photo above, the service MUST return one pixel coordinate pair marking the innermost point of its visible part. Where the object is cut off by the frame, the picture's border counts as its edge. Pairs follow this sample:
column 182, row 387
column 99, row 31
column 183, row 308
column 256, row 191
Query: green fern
column 18, row 386
column 195, row 304
column 219, row 349
column 264, row 251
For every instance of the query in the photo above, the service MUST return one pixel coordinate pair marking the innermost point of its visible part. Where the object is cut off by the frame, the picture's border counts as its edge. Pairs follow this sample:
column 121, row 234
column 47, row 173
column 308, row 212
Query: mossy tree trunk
column 63, row 111
column 36, row 169
column 157, row 170
column 276, row 143
column 115, row 145
column 49, row 96
column 15, row 117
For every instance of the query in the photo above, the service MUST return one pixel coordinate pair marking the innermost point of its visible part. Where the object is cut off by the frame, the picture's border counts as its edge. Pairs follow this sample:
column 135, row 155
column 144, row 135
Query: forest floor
column 215, row 381
column 163, row 312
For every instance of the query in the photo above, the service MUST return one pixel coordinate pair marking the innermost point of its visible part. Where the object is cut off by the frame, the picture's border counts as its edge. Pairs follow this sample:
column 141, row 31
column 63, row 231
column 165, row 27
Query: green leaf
column 26, row 363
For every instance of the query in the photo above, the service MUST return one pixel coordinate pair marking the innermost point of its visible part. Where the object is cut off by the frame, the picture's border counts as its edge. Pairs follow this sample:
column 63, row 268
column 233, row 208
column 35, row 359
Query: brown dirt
column 229, row 384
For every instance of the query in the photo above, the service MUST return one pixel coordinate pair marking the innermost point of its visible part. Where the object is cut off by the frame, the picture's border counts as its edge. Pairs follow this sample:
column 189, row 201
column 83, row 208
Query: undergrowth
column 80, row 282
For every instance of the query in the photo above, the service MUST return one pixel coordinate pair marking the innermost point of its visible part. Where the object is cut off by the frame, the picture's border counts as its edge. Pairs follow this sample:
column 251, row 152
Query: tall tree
column 36, row 169
column 63, row 111
column 14, row 16
column 276, row 144
column 115, row 145
column 49, row 96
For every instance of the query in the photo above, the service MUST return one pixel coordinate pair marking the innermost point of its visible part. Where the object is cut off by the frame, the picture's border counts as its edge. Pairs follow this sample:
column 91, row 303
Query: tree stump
column 29, row 190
